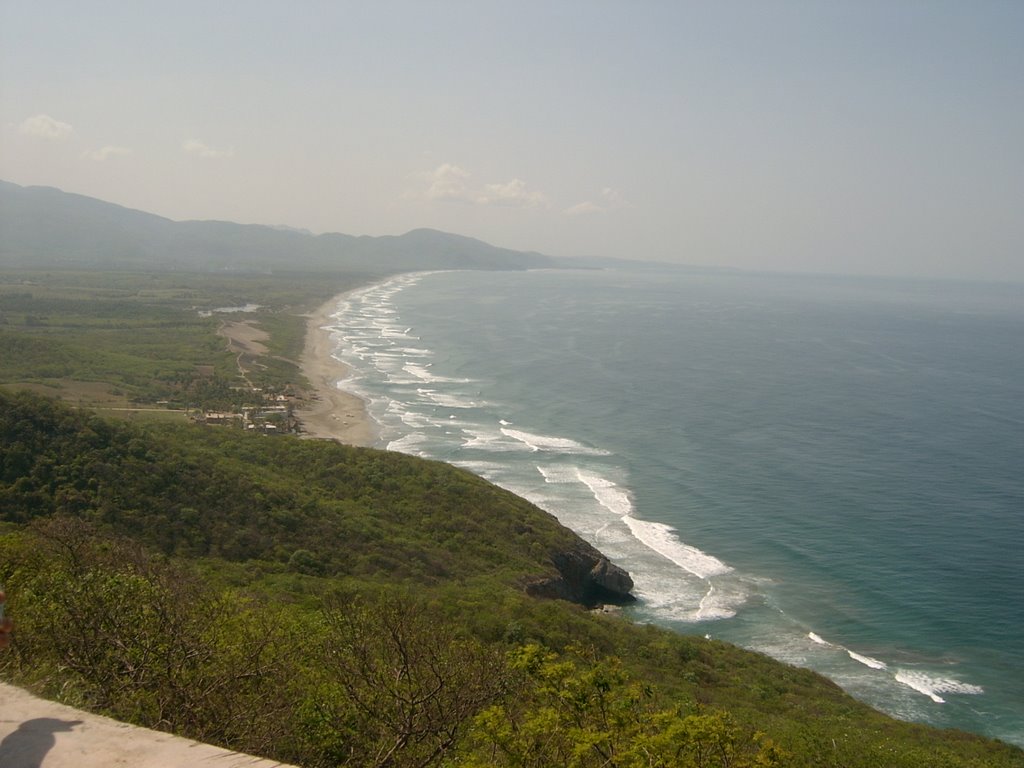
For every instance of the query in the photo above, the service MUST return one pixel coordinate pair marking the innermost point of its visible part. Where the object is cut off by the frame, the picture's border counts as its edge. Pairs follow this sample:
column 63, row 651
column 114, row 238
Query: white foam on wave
column 397, row 380
column 931, row 686
column 677, row 594
column 370, row 345
column 683, row 600
column 418, row 420
column 415, row 420
column 411, row 444
column 669, row 598
column 867, row 661
column 385, row 361
column 486, row 440
column 447, row 400
column 662, row 539
column 559, row 474
column 608, row 494
column 375, row 299
column 552, row 444
column 716, row 605
column 422, row 372
column 393, row 332
column 354, row 330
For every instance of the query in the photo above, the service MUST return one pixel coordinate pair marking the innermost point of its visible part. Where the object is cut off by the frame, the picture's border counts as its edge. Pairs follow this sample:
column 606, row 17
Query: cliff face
column 585, row 576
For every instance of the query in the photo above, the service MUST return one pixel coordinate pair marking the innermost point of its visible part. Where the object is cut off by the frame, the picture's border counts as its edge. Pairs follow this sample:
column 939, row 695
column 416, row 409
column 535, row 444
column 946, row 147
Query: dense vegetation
column 334, row 606
column 281, row 505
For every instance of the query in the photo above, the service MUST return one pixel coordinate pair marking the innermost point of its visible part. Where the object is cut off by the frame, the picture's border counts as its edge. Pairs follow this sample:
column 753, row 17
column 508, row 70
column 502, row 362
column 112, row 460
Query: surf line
column 662, row 539
column 915, row 680
column 702, row 609
column 867, row 661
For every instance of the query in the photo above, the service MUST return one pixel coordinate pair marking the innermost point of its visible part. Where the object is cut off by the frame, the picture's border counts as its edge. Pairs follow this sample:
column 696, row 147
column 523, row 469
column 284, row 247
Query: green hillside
column 328, row 605
column 280, row 506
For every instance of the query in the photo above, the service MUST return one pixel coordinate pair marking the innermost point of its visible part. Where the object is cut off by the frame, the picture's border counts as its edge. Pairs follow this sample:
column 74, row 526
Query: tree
column 594, row 716
column 143, row 640
column 409, row 684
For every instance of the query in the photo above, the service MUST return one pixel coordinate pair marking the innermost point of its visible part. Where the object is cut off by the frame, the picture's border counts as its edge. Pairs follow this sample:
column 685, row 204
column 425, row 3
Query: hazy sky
column 859, row 137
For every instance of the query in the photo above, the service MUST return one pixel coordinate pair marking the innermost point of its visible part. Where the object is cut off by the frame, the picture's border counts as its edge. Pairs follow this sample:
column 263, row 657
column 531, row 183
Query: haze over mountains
column 44, row 227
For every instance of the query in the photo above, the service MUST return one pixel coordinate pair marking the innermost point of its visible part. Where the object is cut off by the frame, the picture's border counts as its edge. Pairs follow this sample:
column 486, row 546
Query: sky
column 866, row 137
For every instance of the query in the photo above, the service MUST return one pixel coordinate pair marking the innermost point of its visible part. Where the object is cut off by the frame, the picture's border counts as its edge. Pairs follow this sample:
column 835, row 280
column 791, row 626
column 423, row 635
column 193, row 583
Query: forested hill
column 332, row 606
column 43, row 227
column 317, row 508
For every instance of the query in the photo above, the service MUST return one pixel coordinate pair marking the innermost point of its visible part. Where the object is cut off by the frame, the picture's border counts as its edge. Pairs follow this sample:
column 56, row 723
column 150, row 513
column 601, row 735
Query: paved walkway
column 35, row 733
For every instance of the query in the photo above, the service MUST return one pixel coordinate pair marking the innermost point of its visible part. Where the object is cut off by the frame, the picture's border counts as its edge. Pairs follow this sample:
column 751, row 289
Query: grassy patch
column 106, row 339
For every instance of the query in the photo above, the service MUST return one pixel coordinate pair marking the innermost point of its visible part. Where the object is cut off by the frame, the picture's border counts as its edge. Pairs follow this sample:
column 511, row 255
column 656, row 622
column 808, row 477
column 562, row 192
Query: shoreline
column 331, row 413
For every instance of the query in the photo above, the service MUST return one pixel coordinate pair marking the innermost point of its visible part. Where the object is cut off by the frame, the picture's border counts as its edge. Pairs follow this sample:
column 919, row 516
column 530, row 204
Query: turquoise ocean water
column 828, row 470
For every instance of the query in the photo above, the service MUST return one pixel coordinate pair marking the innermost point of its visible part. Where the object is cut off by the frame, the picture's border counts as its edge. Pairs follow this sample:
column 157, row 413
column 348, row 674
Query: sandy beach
column 331, row 413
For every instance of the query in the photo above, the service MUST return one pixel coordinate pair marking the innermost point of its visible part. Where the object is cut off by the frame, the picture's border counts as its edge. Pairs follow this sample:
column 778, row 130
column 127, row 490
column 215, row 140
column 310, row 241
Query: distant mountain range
column 44, row 227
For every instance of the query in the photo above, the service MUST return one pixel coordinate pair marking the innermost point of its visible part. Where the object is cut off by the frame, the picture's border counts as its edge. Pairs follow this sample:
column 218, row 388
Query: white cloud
column 197, row 148
column 582, row 209
column 514, row 194
column 104, row 153
column 608, row 200
column 46, row 127
column 614, row 199
column 451, row 183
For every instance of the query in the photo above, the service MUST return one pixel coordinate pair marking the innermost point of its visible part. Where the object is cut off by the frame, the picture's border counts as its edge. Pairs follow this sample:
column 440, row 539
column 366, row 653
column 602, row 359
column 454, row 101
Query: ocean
column 828, row 470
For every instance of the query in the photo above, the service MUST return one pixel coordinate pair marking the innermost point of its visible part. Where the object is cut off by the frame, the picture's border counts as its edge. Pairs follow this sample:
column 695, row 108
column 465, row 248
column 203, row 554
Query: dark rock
column 610, row 577
column 585, row 576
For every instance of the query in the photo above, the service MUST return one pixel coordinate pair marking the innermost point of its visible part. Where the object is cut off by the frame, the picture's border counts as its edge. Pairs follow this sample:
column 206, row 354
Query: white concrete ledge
column 35, row 733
